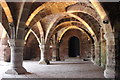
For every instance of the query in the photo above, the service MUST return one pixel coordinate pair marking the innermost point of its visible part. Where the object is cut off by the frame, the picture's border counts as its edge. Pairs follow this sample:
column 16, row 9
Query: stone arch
column 6, row 10
column 71, row 23
column 31, row 48
column 108, row 32
column 54, row 22
column 43, row 7
column 109, row 35
column 99, row 23
column 9, row 18
column 31, row 31
column 35, row 12
column 90, row 8
column 76, row 28
column 41, row 43
column 41, row 32
column 52, row 25
column 83, row 23
column 40, row 29
column 65, row 39
column 94, row 24
column 97, row 7
column 110, row 40
column 73, row 27
column 84, row 8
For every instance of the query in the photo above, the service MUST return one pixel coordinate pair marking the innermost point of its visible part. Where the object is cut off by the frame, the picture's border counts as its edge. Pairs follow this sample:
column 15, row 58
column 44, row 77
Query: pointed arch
column 104, row 16
column 6, row 10
column 35, row 12
column 31, row 31
column 72, row 27
column 71, row 15
column 40, row 29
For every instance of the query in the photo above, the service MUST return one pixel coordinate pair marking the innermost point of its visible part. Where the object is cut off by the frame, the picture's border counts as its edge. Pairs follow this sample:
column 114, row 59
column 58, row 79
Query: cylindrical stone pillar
column 42, row 59
column 54, row 55
column 110, row 63
column 92, row 53
column 97, row 53
column 57, row 52
column 16, row 47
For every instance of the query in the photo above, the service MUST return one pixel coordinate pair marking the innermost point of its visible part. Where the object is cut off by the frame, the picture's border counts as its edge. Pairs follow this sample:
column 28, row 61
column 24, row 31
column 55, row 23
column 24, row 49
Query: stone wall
column 85, row 45
column 31, row 49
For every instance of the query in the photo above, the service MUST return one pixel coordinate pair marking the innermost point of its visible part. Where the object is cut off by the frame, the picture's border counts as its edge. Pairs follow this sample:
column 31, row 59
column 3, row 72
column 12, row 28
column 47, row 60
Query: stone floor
column 59, row 69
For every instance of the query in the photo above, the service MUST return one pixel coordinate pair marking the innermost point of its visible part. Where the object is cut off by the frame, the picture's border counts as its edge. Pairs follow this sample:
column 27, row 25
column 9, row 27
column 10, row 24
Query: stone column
column 42, row 59
column 97, row 53
column 110, row 63
column 57, row 52
column 54, row 55
column 16, row 46
column 92, row 53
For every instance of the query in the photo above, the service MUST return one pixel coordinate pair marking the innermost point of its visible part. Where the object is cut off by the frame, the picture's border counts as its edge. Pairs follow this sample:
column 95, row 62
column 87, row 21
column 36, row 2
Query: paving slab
column 57, row 69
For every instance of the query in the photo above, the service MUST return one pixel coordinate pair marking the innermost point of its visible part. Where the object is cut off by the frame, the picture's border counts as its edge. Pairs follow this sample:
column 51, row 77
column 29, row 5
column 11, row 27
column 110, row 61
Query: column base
column 56, row 59
column 44, row 61
column 92, row 60
column 109, row 73
column 17, row 71
column 97, row 61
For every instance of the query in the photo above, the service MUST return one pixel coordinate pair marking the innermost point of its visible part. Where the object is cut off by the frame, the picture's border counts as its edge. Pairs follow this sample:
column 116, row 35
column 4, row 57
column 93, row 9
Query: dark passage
column 74, row 47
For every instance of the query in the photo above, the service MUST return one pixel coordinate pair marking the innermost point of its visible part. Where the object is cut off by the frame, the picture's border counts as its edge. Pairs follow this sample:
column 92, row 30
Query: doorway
column 74, row 47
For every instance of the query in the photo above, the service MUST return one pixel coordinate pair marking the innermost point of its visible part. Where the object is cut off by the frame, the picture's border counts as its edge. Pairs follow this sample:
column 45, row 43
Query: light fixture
column 105, row 21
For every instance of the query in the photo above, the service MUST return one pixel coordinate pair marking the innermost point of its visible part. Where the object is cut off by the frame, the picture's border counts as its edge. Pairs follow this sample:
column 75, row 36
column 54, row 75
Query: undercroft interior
column 59, row 39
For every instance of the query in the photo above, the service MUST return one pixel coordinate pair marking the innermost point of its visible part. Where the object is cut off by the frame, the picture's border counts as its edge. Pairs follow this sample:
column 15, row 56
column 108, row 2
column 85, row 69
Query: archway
column 74, row 47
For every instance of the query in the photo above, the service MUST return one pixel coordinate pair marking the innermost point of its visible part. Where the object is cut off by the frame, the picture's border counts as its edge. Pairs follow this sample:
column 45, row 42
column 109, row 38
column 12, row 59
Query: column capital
column 16, row 42
column 16, row 46
column 110, row 38
column 109, row 35
column 42, row 46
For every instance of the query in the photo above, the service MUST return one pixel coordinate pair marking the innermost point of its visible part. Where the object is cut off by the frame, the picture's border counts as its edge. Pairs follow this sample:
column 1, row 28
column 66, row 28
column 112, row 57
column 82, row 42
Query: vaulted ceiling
column 47, row 18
